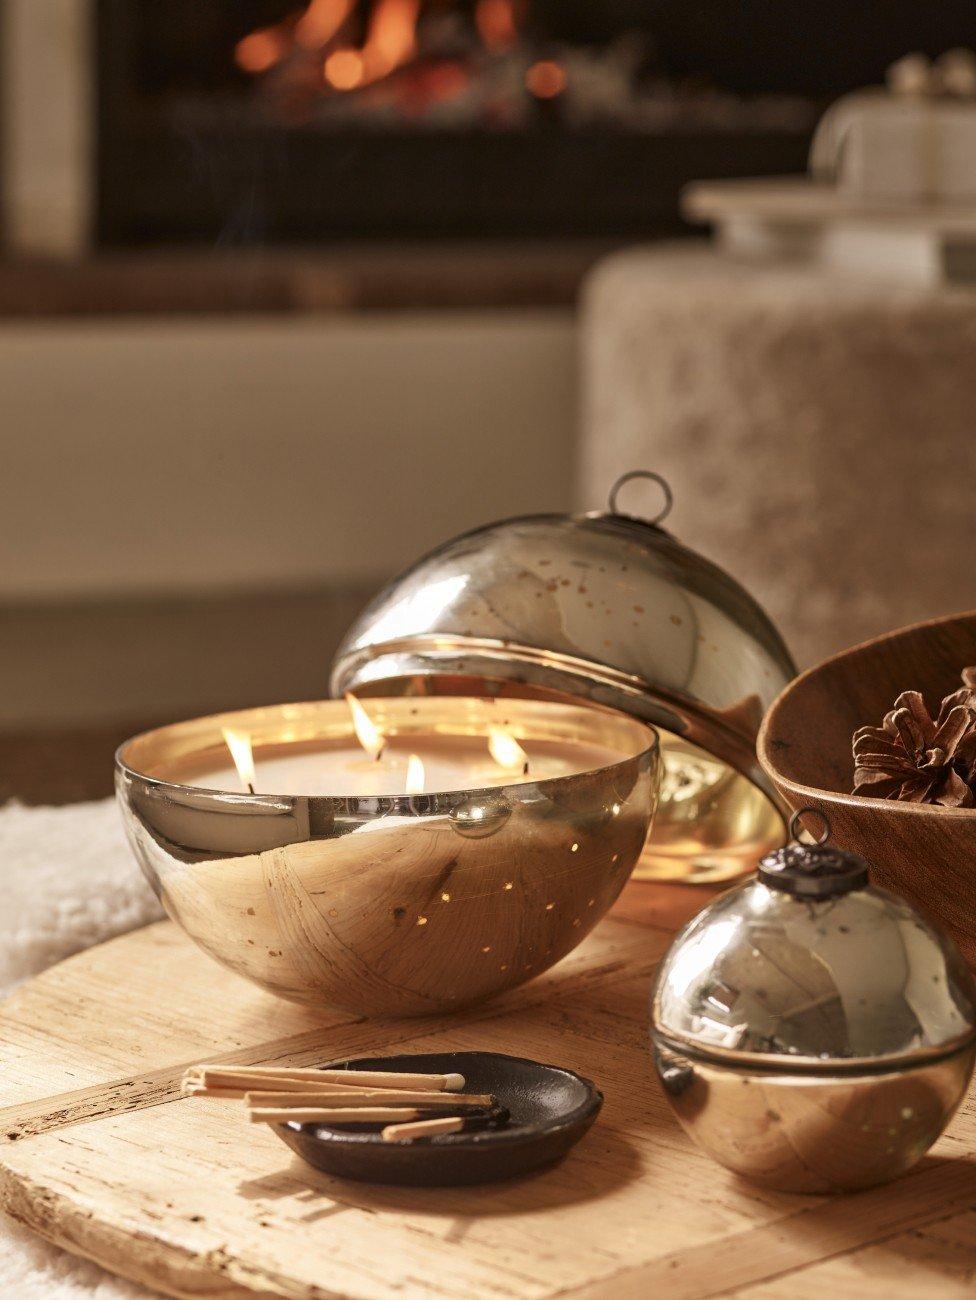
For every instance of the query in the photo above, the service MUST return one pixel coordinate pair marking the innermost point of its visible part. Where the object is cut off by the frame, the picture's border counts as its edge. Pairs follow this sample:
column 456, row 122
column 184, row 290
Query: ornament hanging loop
column 810, row 868
column 797, row 828
column 649, row 474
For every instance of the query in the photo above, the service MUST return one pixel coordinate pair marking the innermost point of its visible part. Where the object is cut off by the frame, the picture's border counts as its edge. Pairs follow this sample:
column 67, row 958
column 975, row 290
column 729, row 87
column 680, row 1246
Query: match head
column 453, row 1082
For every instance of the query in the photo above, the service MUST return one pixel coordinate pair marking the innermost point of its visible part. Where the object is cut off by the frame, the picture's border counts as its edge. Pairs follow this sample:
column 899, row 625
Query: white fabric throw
column 68, row 881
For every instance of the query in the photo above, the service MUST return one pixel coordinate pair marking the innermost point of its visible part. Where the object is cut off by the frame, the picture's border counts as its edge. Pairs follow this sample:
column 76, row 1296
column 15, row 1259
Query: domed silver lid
column 808, row 967
column 604, row 607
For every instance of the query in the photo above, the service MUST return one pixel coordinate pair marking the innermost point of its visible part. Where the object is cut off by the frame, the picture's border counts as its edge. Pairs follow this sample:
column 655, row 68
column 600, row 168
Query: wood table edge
column 168, row 1267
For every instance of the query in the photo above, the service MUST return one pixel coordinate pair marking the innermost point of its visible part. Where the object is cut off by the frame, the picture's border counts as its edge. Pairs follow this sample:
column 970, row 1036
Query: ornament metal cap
column 816, row 870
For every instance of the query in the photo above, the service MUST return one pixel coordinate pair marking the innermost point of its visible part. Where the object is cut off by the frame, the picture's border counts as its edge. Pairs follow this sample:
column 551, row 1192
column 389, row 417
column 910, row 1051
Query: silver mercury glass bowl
column 813, row 1033
column 609, row 609
column 398, row 905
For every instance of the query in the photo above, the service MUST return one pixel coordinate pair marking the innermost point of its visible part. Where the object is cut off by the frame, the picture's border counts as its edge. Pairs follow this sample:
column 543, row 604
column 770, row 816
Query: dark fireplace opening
column 252, row 121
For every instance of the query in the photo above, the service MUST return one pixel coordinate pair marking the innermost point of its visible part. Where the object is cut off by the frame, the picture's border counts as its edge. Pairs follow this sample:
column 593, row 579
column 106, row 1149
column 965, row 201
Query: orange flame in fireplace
column 261, row 50
column 321, row 22
column 325, row 30
column 497, row 24
column 546, row 79
column 344, row 69
column 318, row 25
column 391, row 40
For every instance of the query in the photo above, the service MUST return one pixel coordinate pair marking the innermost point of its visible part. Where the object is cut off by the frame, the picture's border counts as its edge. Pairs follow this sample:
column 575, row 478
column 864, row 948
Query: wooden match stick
column 306, row 1094
column 230, row 1075
column 332, row 1115
column 223, row 1094
column 423, row 1128
column 266, row 1082
column 323, row 1095
column 374, row 1096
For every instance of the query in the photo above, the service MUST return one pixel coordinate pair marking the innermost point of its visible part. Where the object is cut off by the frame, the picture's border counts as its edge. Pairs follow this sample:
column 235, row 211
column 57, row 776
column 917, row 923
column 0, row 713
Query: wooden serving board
column 100, row 1154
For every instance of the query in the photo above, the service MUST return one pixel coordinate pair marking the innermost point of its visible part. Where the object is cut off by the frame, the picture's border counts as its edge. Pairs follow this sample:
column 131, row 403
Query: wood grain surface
column 99, row 1153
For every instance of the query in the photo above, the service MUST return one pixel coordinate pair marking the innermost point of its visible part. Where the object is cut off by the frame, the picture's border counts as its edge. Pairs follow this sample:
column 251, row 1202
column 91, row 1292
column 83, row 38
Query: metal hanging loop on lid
column 812, row 870
column 649, row 474
column 797, row 828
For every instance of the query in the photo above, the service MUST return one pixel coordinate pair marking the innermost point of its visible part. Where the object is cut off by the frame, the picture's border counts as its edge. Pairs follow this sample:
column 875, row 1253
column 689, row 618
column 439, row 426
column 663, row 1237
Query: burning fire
column 392, row 37
column 239, row 744
column 344, row 70
column 367, row 732
column 390, row 41
column 261, row 50
column 416, row 776
column 340, row 46
column 505, row 749
column 497, row 25
column 321, row 22
column 545, row 79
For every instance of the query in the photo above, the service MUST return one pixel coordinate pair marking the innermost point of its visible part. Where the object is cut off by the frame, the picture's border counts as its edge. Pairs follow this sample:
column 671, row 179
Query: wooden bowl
column 926, row 854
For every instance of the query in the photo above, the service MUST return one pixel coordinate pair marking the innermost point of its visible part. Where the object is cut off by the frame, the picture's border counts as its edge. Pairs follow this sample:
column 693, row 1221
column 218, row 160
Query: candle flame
column 505, row 749
column 239, row 744
column 367, row 732
column 416, row 777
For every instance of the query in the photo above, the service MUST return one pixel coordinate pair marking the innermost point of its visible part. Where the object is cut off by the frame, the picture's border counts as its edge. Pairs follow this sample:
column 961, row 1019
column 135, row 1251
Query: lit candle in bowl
column 372, row 761
column 396, row 855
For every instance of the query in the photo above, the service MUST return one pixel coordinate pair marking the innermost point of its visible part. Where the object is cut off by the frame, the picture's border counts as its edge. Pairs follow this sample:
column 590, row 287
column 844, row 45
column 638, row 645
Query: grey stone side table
column 819, row 432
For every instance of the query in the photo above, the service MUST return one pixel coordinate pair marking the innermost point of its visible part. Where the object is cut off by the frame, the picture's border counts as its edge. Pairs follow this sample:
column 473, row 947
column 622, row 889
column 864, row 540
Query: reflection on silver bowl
column 394, row 905
column 814, row 1133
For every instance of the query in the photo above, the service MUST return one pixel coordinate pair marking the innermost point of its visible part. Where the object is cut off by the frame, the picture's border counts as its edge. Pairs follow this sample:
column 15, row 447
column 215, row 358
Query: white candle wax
column 450, row 763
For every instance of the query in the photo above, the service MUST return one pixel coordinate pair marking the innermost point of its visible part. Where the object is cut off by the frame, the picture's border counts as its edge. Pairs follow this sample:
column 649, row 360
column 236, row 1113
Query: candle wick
column 250, row 787
column 379, row 753
column 525, row 768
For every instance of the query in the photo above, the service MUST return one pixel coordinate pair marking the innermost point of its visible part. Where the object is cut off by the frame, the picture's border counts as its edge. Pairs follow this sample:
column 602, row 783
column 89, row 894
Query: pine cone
column 913, row 757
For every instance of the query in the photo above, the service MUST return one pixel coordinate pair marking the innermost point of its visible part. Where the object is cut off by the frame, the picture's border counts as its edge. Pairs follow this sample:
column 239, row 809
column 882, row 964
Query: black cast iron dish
column 550, row 1110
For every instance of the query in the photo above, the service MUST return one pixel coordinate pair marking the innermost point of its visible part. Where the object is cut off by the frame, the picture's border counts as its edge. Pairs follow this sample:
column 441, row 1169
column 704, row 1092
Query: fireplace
column 236, row 122
column 278, row 120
